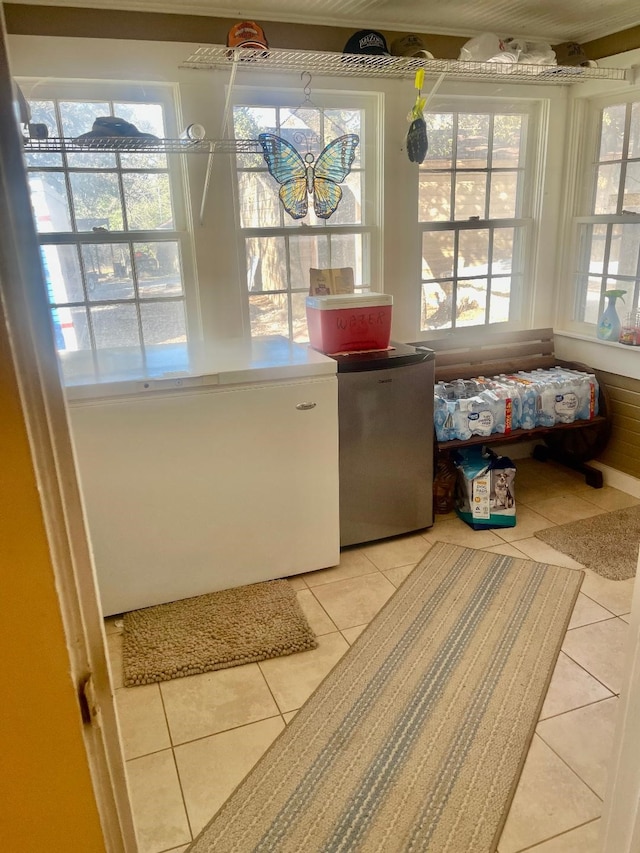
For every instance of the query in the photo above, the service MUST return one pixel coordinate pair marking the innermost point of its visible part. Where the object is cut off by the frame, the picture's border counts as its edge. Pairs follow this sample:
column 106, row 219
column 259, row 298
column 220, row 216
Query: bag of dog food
column 485, row 493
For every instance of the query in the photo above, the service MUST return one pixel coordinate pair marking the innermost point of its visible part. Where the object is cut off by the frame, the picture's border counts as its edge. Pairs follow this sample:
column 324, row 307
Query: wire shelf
column 340, row 64
column 108, row 144
column 132, row 145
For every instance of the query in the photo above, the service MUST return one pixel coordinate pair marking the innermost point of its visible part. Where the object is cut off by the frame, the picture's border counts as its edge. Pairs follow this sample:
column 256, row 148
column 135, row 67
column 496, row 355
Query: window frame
column 284, row 96
column 81, row 368
column 574, row 269
column 525, row 225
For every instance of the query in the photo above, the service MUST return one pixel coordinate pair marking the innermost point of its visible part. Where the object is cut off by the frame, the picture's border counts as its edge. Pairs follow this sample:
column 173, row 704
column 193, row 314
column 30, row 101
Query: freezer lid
column 398, row 356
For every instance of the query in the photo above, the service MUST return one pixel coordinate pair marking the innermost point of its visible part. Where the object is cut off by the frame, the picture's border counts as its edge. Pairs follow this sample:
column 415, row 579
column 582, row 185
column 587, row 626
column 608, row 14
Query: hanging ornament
column 301, row 177
column 417, row 141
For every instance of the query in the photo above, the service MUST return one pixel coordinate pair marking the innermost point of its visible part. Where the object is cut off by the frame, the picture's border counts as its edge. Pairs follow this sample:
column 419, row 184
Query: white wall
column 201, row 94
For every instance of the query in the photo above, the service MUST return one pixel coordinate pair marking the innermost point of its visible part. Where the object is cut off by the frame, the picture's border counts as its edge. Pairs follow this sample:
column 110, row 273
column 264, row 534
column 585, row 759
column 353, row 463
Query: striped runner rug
column 416, row 739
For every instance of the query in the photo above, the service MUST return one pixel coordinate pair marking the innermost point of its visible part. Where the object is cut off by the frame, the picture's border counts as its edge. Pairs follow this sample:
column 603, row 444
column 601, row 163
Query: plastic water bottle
column 443, row 410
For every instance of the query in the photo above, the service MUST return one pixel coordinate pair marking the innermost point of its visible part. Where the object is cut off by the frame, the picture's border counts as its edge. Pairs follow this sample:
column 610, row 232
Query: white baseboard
column 618, row 479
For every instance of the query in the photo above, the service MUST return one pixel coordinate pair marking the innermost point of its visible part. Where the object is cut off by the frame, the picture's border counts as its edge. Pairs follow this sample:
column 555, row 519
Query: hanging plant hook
column 306, row 85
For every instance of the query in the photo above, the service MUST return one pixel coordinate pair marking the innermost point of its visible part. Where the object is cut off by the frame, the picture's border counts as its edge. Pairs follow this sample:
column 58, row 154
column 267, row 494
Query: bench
column 478, row 354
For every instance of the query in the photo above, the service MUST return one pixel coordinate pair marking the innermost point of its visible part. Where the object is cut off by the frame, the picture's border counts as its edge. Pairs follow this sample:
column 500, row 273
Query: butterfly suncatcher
column 299, row 178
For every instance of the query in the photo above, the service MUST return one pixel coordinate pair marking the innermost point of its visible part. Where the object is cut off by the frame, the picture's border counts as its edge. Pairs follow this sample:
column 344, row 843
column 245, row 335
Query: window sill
column 609, row 356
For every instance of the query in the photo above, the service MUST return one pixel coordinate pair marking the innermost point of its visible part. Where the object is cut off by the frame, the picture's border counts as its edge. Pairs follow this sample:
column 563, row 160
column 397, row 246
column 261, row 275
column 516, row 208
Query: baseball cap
column 247, row 34
column 410, row 45
column 112, row 126
column 367, row 41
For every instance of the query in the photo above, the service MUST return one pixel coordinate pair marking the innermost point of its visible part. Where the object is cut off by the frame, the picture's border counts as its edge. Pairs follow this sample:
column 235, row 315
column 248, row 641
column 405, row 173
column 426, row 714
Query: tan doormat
column 416, row 738
column 214, row 631
column 607, row 544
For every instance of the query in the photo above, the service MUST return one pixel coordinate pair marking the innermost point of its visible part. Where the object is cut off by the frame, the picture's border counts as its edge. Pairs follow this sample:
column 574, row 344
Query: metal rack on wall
column 209, row 57
column 133, row 145
column 212, row 57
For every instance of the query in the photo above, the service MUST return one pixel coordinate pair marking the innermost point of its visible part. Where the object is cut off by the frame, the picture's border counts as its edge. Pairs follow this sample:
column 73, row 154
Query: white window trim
column 166, row 94
column 270, row 93
column 579, row 182
column 537, row 110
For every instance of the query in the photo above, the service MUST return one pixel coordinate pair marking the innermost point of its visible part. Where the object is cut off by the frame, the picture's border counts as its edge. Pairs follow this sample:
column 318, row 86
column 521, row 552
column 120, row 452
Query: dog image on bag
column 501, row 492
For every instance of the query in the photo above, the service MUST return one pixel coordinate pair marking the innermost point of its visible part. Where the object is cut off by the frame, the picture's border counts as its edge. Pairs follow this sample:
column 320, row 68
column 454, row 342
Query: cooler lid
column 349, row 300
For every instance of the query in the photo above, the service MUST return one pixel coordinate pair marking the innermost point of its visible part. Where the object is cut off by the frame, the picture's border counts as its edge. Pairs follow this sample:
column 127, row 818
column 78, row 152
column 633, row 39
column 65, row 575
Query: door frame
column 35, row 361
column 621, row 813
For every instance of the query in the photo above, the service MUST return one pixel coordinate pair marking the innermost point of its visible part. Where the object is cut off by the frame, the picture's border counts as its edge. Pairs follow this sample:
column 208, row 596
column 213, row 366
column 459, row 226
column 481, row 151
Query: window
column 113, row 242
column 608, row 232
column 277, row 250
column 473, row 214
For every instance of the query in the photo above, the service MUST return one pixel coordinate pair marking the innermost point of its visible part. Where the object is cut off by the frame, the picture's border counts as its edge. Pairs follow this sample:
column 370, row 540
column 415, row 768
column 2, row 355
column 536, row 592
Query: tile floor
column 189, row 742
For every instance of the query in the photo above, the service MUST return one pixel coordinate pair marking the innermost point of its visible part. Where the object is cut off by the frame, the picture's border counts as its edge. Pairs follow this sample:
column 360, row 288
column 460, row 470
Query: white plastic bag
column 487, row 47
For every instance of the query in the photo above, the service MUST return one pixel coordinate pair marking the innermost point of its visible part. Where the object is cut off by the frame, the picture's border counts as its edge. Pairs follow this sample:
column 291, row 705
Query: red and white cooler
column 349, row 322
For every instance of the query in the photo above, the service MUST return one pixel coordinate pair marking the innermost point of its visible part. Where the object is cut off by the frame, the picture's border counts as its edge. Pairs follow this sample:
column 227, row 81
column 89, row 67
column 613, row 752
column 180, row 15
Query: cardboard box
column 349, row 322
column 485, row 490
column 330, row 282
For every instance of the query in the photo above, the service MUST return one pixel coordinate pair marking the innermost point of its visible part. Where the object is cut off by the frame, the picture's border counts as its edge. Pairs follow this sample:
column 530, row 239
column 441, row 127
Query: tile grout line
column 175, row 762
column 572, row 769
column 538, row 844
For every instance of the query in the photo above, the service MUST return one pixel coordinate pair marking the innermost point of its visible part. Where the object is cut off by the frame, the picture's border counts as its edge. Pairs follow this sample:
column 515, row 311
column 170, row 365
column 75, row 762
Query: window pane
column 43, row 112
column 504, row 195
column 437, row 254
column 347, row 250
column 503, row 248
column 631, row 198
column 77, row 118
column 107, row 270
column 507, row 141
column 71, row 329
column 440, row 135
column 349, row 210
column 96, row 198
column 471, row 302
column 471, row 190
column 258, row 199
column 612, row 132
column 434, row 197
column 301, row 128
column 472, row 141
column 266, row 263
column 607, row 189
column 299, row 318
column 339, row 122
column 158, row 269
column 591, row 309
column 473, row 252
column 436, row 307
column 268, row 314
column 625, row 247
column 50, row 202
column 148, row 201
column 163, row 322
column 634, row 135
column 62, row 273
column 500, row 299
column 597, row 235
column 148, row 118
column 115, row 326
column 248, row 122
column 306, row 253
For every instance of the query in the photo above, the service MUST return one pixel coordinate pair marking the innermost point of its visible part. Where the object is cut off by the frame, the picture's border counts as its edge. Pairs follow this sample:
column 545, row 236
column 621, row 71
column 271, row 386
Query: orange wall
column 47, row 803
